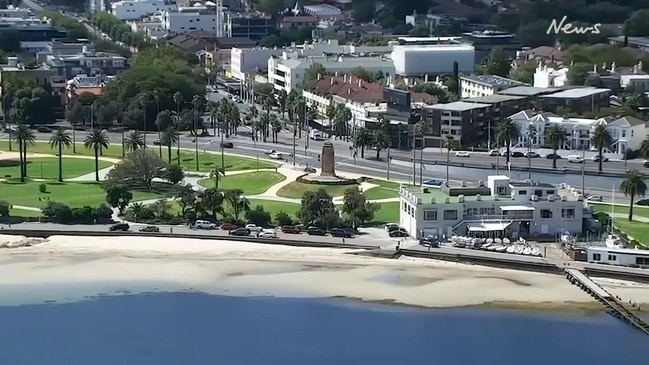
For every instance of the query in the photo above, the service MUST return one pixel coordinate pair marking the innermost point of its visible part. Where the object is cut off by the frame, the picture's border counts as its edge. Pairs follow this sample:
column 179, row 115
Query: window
column 538, row 192
column 546, row 213
column 568, row 213
column 612, row 258
column 450, row 215
column 430, row 215
column 597, row 257
column 642, row 260
column 522, row 192
column 549, row 192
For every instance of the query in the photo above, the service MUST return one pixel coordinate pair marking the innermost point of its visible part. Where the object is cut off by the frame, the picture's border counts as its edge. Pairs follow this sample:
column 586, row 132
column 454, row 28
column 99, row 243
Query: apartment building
column 578, row 100
column 194, row 18
column 500, row 208
column 472, row 86
column 138, row 9
column 465, row 121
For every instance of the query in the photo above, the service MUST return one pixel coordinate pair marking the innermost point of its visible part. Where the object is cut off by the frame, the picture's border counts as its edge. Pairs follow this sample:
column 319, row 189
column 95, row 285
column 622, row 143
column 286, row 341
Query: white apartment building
column 473, row 86
column 193, row 18
column 137, row 9
column 545, row 76
column 626, row 132
column 501, row 208
column 16, row 13
column 618, row 256
column 246, row 60
column 288, row 72
column 635, row 82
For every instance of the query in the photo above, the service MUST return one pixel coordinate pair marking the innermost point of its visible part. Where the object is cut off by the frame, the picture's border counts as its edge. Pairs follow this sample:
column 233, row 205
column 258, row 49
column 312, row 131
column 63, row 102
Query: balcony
column 510, row 216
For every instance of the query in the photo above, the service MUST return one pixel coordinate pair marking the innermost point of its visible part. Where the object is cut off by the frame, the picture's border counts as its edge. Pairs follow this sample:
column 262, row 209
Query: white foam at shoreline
column 237, row 268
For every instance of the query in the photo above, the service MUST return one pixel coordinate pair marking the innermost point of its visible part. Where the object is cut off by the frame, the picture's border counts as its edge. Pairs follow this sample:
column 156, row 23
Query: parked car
column 310, row 170
column 552, row 156
column 494, row 153
column 531, row 154
column 643, row 202
column 227, row 145
column 119, row 227
column 156, row 142
column 390, row 227
column 201, row 224
column 254, row 228
column 276, row 156
column 228, row 226
column 429, row 241
column 290, row 229
column 433, row 182
column 462, row 154
column 575, row 159
column 267, row 233
column 239, row 232
column 400, row 232
column 645, row 163
column 340, row 232
column 150, row 229
column 517, row 154
column 596, row 158
column 315, row 231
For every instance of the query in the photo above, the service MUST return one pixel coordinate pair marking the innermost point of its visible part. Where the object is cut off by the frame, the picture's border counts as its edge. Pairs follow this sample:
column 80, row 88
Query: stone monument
column 328, row 160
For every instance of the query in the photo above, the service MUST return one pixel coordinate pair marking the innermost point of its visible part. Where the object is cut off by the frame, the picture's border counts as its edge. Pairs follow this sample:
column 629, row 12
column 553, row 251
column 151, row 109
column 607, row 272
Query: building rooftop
column 348, row 87
column 322, row 10
column 459, row 106
column 492, row 80
column 628, row 251
column 493, row 99
column 522, row 184
column 576, row 93
column 528, row 90
column 641, row 41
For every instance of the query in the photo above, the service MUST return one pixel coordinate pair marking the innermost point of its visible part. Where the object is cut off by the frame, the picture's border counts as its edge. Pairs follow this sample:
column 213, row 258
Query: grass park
column 48, row 167
column 636, row 229
column 252, row 183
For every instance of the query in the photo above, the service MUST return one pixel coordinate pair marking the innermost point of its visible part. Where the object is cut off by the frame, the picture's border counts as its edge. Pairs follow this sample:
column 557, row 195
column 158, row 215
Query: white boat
column 485, row 246
column 493, row 247
column 527, row 251
column 506, row 241
column 510, row 249
column 519, row 249
column 501, row 248
column 566, row 238
column 536, row 252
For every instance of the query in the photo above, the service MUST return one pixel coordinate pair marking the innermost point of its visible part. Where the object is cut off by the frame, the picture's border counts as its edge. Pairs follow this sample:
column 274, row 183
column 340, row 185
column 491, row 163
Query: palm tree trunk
column 74, row 141
column 159, row 144
column 600, row 158
column 448, row 161
column 508, row 152
column 362, row 151
column 178, row 150
column 378, row 153
column 97, row 164
column 25, row 158
column 631, row 207
column 554, row 158
column 60, row 162
column 169, row 153
column 22, row 163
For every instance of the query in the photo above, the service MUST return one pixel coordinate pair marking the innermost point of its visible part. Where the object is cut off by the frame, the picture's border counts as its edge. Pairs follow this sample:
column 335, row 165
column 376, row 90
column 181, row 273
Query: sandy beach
column 234, row 268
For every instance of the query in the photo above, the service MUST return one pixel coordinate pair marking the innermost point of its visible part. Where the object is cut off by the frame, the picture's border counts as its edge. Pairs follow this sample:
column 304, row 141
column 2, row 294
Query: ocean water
column 195, row 328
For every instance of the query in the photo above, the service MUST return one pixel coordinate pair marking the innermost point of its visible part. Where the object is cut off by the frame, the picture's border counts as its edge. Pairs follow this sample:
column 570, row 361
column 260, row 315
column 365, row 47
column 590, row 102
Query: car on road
column 267, row 233
column 575, row 159
column 290, row 229
column 156, row 142
column 119, row 227
column 645, row 163
column 239, row 232
column 228, row 226
column 494, row 153
column 429, row 241
column 315, row 231
column 596, row 158
column 531, row 154
column 44, row 129
column 433, row 182
column 401, row 232
column 462, row 154
column 552, row 156
column 594, row 198
column 152, row 229
column 517, row 154
column 227, row 145
column 341, row 232
column 254, row 228
column 643, row 202
column 270, row 152
column 201, row 224
column 276, row 156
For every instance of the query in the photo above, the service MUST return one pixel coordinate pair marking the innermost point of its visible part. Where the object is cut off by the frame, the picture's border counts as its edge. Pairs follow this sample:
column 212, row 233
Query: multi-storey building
column 138, row 9
column 194, row 18
column 465, row 121
column 488, row 40
column 578, row 100
column 500, row 208
column 472, row 86
column 251, row 27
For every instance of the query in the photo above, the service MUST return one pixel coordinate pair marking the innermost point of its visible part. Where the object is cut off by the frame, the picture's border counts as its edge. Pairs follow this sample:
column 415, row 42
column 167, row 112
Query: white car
column 390, row 226
column 270, row 152
column 531, row 154
column 494, row 153
column 462, row 154
column 594, row 198
column 276, row 156
column 204, row 225
column 267, row 233
column 253, row 228
column 575, row 159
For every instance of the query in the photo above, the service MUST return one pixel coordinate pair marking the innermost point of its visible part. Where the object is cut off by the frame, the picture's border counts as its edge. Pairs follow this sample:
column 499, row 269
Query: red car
column 228, row 226
column 290, row 229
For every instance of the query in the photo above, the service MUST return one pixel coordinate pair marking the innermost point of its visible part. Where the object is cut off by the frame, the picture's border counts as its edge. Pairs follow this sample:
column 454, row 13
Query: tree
column 644, row 148
column 258, row 216
column 174, row 174
column 633, row 186
column 217, row 174
column 507, row 132
column 282, row 98
column 185, row 196
column 534, row 34
column 5, row 208
column 638, row 24
column 341, row 120
column 168, row 138
column 450, row 144
column 497, row 63
column 380, row 141
column 363, row 139
column 211, row 202
column 96, row 140
column 363, row 11
column 118, row 197
column 24, row 136
column 315, row 69
column 270, row 7
column 578, row 72
column 432, row 89
column 236, row 201
column 134, row 141
column 59, row 139
column 556, row 136
column 318, row 209
column 357, row 208
column 138, row 169
column 601, row 139
column 330, row 112
column 31, row 105
column 283, row 219
column 362, row 74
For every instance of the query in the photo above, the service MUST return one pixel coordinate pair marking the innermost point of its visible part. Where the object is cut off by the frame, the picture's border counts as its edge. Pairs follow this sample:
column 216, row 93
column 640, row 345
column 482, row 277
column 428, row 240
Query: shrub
column 302, row 180
column 42, row 188
column 283, row 219
column 62, row 213
column 258, row 216
column 4, row 208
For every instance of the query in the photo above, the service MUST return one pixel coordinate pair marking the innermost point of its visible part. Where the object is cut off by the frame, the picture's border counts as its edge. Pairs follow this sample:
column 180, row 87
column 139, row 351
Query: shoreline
column 252, row 269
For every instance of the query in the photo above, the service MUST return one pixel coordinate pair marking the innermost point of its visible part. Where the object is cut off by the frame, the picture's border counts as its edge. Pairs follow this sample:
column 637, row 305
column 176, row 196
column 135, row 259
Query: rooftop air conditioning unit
column 460, row 199
column 481, row 183
column 463, row 184
column 478, row 197
column 564, row 198
column 580, row 197
column 550, row 198
column 446, row 200
column 535, row 198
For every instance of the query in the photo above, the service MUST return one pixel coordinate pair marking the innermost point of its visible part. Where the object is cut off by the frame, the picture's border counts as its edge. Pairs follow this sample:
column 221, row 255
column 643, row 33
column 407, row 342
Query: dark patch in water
column 513, row 281
column 236, row 273
column 405, row 280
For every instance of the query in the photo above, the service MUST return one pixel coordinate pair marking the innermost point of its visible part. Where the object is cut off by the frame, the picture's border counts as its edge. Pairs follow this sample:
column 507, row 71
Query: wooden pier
column 614, row 307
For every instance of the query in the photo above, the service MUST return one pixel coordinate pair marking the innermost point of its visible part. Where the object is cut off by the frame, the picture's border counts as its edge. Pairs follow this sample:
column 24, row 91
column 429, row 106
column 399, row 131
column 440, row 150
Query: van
column 204, row 225
column 575, row 159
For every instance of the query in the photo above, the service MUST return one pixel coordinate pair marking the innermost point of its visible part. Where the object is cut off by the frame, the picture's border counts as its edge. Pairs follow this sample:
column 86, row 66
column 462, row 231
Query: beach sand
column 235, row 268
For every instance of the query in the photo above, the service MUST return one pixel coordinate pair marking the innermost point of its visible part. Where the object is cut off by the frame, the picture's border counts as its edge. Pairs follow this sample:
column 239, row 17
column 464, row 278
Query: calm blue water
column 194, row 328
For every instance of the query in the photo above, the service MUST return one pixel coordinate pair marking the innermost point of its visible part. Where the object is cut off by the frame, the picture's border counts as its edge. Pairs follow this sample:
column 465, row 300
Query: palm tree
column 217, row 174
column 556, row 136
column 24, row 136
column 330, row 112
column 96, row 140
column 169, row 137
column 644, row 148
column 276, row 126
column 178, row 98
column 143, row 100
column 449, row 144
column 237, row 202
column 282, row 99
column 633, row 186
column 134, row 141
column 601, row 138
column 156, row 97
column 507, row 132
column 213, row 109
column 363, row 139
column 380, row 140
column 60, row 138
column 197, row 102
column 264, row 123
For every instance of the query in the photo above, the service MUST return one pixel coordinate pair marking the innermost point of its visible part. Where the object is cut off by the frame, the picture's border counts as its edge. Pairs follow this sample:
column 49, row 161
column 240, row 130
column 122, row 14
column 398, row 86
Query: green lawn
column 252, row 183
column 640, row 211
column 24, row 213
column 388, row 213
column 206, row 162
column 72, row 194
column 274, row 207
column 296, row 189
column 113, row 151
column 48, row 168
column 636, row 230
column 384, row 190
